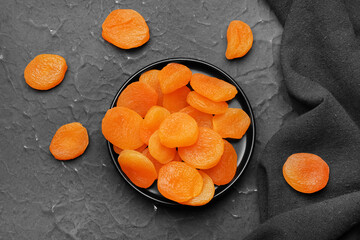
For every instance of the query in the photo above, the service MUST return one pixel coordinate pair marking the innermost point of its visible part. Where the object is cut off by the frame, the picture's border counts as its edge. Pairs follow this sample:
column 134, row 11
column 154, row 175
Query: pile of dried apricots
column 170, row 125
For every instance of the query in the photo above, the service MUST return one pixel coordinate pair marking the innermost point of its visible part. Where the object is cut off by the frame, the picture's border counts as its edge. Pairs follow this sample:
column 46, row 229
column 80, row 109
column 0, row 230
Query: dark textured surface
column 42, row 198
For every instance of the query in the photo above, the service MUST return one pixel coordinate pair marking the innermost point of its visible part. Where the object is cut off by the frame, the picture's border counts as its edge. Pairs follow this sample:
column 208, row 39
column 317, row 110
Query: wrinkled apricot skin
column 151, row 78
column 207, row 192
column 156, row 163
column 178, row 130
column 45, row 71
column 232, row 124
column 121, row 127
column 69, row 141
column 306, row 172
column 152, row 121
column 205, row 105
column 212, row 88
column 160, row 152
column 239, row 39
column 139, row 97
column 125, row 28
column 179, row 182
column 174, row 76
column 223, row 172
column 176, row 100
column 202, row 119
column 138, row 168
column 206, row 152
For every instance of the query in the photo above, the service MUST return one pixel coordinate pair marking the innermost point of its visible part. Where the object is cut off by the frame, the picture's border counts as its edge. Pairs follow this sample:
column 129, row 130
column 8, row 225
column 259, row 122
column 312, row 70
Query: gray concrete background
column 42, row 198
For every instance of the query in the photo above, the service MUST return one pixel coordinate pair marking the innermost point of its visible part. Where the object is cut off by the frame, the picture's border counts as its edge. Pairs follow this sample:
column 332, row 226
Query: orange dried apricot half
column 223, row 172
column 306, row 172
column 152, row 121
column 202, row 119
column 121, row 127
column 160, row 152
column 207, row 192
column 139, row 97
column 179, row 182
column 205, row 105
column 206, row 152
column 45, row 71
column 125, row 28
column 176, row 100
column 212, row 88
column 178, row 130
column 138, row 168
column 151, row 78
column 239, row 39
column 69, row 141
column 232, row 124
column 174, row 76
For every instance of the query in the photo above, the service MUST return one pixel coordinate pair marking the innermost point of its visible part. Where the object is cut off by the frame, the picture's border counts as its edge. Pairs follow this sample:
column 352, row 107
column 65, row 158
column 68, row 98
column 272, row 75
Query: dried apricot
column 139, row 97
column 160, row 152
column 156, row 163
column 121, row 127
column 306, row 172
column 119, row 150
column 177, row 158
column 205, row 105
column 223, row 172
column 206, row 152
column 212, row 88
column 239, row 39
column 69, row 141
column 207, row 192
column 232, row 124
column 179, row 182
column 151, row 78
column 125, row 28
column 202, row 119
column 176, row 100
column 174, row 76
column 45, row 71
column 138, row 168
column 152, row 121
column 178, row 130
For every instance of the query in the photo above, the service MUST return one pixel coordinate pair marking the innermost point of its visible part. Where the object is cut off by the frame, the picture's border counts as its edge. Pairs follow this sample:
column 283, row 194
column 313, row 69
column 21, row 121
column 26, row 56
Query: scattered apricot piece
column 178, row 130
column 160, row 152
column 174, row 76
column 45, row 71
column 179, row 182
column 139, row 97
column 207, row 192
column 232, row 124
column 212, row 88
column 125, row 28
column 223, row 172
column 151, row 78
column 205, row 105
column 121, row 127
column 176, row 100
column 138, row 168
column 206, row 152
column 152, row 121
column 202, row 119
column 239, row 39
column 69, row 141
column 306, row 172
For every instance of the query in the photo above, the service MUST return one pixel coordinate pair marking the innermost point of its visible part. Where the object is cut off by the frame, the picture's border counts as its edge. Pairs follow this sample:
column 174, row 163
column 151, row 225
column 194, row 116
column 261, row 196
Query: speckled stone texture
column 86, row 198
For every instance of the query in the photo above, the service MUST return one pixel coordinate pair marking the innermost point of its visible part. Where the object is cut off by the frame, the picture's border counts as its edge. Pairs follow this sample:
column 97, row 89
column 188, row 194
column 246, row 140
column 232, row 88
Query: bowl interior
column 244, row 147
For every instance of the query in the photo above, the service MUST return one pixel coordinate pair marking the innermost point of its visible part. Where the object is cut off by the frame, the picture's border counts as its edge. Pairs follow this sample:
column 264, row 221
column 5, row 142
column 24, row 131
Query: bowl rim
column 242, row 93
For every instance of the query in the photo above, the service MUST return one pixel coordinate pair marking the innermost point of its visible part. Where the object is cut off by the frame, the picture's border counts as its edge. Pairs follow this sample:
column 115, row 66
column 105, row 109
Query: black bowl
column 244, row 147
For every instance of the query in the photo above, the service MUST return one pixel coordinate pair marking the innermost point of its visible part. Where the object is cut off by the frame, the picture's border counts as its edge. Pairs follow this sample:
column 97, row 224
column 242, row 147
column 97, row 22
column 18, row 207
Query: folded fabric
column 320, row 58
